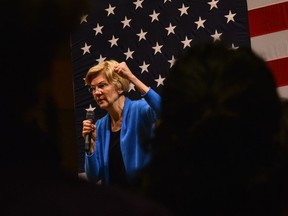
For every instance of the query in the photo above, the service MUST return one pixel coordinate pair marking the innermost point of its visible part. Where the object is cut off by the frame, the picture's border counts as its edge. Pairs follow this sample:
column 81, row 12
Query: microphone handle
column 87, row 142
column 90, row 115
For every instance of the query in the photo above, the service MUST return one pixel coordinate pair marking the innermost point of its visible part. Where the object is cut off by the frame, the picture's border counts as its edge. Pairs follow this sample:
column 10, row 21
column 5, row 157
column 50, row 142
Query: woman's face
column 104, row 93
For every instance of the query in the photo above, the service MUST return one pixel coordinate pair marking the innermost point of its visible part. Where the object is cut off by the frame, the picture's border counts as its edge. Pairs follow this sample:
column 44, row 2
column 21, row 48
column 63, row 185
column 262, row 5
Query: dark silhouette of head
column 33, row 33
column 214, row 150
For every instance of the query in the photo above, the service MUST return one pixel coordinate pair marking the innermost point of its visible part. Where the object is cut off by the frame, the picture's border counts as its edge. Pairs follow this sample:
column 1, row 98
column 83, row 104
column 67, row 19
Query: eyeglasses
column 101, row 87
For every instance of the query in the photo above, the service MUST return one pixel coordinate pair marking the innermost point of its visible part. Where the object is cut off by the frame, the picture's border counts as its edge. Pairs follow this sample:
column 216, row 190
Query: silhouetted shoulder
column 67, row 195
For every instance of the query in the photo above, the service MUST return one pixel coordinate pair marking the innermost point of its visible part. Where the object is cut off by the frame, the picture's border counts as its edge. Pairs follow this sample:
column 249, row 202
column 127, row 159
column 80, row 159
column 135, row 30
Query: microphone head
column 90, row 115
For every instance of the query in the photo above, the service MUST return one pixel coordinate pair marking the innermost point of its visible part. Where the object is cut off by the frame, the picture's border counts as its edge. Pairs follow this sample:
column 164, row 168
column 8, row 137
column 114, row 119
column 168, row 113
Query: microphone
column 90, row 115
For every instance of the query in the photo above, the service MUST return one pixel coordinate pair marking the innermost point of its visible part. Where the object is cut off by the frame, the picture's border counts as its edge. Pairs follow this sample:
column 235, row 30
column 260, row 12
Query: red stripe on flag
column 279, row 68
column 268, row 19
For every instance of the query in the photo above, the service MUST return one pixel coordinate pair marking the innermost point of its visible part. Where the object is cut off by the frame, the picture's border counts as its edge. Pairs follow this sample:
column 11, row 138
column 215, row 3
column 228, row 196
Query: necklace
column 116, row 125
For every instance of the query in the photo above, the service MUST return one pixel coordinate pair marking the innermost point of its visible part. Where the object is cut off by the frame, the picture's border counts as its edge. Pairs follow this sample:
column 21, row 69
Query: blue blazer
column 138, row 122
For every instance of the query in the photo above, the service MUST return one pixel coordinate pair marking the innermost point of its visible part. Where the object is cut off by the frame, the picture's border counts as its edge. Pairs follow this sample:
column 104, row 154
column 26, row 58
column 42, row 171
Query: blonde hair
column 107, row 68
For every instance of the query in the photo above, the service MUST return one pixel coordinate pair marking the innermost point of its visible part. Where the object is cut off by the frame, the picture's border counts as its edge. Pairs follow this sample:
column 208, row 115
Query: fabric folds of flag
column 268, row 23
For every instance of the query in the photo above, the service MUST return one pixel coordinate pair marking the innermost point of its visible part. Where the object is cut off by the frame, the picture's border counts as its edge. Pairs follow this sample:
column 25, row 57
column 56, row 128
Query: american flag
column 268, row 21
column 150, row 36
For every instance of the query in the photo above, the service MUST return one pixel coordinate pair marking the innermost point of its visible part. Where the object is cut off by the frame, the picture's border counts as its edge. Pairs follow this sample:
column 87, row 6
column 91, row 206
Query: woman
column 118, row 138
